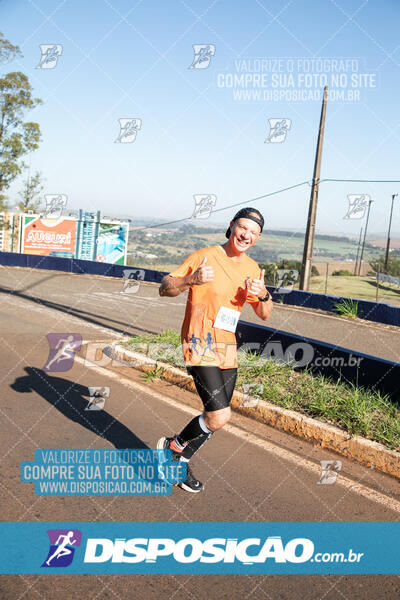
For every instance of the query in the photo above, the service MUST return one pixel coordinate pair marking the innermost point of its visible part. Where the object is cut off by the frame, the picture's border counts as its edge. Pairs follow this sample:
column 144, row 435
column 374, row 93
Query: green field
column 363, row 288
column 271, row 247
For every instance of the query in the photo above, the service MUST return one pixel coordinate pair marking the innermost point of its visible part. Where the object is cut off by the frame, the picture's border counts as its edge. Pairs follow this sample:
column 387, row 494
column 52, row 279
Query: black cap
column 245, row 213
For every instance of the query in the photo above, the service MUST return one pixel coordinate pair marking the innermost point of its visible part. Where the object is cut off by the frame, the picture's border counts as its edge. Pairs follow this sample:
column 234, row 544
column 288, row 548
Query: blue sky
column 125, row 59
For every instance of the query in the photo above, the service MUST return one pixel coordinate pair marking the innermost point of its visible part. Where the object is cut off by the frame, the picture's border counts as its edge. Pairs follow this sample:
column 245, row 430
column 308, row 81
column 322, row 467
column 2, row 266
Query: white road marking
column 342, row 480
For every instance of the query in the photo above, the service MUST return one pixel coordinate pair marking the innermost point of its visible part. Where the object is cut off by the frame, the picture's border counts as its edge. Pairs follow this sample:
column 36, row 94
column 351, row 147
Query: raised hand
column 257, row 286
column 204, row 274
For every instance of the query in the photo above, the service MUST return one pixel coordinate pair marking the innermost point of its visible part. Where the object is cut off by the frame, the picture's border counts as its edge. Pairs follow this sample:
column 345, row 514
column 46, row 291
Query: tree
column 29, row 194
column 17, row 138
column 393, row 267
column 7, row 51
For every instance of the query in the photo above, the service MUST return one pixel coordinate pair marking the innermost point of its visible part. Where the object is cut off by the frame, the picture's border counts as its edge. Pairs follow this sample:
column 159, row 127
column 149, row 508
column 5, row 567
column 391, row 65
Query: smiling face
column 244, row 234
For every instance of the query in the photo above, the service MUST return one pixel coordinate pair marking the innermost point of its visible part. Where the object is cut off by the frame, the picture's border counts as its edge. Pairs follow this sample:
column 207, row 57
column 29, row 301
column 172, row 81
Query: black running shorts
column 214, row 385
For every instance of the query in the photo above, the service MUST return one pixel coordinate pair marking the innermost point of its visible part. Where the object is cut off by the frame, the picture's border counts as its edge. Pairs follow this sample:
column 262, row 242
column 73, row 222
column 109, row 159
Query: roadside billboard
column 48, row 237
column 88, row 238
column 112, row 242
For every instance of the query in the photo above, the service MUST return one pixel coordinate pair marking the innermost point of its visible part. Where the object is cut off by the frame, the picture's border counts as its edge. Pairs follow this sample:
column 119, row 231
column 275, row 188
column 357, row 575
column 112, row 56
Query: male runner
column 220, row 279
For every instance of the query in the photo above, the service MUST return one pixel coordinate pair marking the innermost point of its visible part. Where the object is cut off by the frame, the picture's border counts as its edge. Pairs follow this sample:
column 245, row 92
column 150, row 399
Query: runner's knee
column 217, row 419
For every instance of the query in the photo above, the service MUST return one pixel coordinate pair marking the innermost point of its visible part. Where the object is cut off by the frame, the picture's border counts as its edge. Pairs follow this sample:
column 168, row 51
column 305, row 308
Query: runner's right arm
column 173, row 286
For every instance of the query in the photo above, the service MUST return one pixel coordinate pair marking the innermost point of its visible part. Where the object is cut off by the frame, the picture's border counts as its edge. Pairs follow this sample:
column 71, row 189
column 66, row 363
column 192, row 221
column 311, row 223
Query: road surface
column 42, row 410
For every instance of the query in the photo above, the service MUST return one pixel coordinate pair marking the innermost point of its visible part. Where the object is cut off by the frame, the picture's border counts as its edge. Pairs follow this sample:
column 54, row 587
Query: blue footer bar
column 214, row 548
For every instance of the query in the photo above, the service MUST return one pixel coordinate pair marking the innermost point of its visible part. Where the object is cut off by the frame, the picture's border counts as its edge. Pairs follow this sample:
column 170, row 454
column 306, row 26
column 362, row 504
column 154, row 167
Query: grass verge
column 357, row 410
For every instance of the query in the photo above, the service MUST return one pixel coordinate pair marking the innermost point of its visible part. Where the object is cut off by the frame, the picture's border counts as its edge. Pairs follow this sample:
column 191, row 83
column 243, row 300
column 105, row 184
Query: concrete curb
column 359, row 449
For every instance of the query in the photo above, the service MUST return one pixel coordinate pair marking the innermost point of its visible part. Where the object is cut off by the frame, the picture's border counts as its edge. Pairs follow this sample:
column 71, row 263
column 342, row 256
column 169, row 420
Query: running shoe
column 191, row 484
column 164, row 444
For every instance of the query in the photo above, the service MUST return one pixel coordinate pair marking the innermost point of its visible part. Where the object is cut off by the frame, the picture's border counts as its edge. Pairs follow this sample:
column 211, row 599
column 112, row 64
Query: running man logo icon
column 63, row 543
column 251, row 393
column 278, row 129
column 62, row 351
column 357, row 206
column 132, row 279
column 286, row 279
column 50, row 55
column 202, row 56
column 128, row 129
column 55, row 204
column 203, row 205
column 329, row 471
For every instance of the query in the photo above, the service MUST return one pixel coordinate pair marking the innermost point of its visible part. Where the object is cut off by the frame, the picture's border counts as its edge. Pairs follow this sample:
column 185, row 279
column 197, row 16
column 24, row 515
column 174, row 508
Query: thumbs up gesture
column 204, row 273
column 257, row 286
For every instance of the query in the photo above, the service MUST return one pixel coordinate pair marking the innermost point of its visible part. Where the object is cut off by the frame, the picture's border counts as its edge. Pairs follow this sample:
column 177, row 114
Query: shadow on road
column 68, row 397
column 89, row 317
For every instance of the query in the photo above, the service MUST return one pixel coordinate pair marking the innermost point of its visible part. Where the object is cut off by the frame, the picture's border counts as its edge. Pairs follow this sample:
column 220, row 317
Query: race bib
column 227, row 319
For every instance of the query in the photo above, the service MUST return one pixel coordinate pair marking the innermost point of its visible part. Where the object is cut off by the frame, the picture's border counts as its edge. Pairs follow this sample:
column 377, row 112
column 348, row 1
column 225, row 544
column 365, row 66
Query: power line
column 280, row 191
column 364, row 180
column 229, row 206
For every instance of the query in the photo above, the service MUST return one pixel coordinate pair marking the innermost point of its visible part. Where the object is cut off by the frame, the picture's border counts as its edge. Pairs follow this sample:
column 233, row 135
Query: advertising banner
column 112, row 242
column 48, row 237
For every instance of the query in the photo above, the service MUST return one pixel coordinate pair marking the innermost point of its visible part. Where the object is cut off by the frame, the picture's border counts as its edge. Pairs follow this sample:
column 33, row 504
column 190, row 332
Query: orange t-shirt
column 203, row 343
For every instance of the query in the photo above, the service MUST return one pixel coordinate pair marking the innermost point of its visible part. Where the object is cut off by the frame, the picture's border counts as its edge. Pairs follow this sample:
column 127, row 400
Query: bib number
column 227, row 319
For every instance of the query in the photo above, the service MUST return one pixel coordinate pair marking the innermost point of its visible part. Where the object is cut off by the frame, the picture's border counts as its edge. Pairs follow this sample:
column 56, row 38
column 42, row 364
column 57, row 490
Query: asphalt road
column 99, row 301
column 42, row 410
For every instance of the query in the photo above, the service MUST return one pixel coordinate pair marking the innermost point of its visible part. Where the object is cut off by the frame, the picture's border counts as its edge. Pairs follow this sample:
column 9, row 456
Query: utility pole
column 365, row 234
column 326, row 278
column 388, row 238
column 312, row 211
column 358, row 250
column 377, row 284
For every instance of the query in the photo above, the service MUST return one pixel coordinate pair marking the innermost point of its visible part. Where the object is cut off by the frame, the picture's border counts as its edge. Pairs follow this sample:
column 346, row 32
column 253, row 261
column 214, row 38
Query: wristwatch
column 266, row 298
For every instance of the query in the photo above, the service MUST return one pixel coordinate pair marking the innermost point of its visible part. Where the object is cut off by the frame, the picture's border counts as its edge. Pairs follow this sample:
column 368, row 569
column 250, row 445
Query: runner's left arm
column 256, row 290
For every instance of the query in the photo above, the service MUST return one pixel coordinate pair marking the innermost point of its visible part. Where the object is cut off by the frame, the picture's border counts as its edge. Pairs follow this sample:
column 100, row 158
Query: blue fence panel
column 372, row 311
column 53, row 263
column 12, row 259
column 320, row 357
column 90, row 267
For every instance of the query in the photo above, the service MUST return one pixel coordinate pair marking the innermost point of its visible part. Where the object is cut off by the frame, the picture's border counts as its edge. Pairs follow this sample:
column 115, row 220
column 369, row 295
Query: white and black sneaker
column 191, row 484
